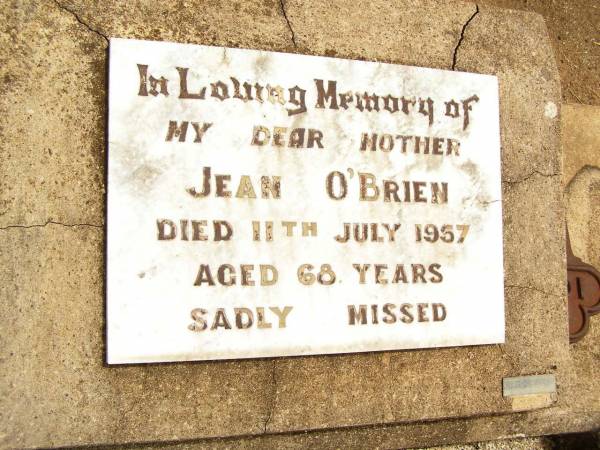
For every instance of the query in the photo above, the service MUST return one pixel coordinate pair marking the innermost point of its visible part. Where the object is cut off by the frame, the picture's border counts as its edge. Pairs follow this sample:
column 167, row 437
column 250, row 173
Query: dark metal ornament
column 583, row 287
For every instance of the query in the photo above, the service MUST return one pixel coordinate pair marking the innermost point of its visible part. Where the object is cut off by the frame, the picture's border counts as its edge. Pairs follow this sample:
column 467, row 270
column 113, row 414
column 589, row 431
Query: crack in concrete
column 52, row 222
column 289, row 24
column 462, row 36
column 80, row 20
column 528, row 288
column 273, row 396
column 527, row 177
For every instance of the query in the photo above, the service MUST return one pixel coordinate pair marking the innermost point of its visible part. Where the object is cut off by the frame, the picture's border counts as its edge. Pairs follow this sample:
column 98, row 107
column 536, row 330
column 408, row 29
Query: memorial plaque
column 267, row 204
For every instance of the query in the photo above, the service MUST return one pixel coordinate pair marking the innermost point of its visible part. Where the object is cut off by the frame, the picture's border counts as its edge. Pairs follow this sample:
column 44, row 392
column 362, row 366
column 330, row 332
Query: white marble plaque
column 268, row 204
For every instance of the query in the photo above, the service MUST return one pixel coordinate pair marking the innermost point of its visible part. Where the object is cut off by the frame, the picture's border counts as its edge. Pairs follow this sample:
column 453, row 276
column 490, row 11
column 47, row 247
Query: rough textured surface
column 302, row 442
column 509, row 444
column 580, row 139
column 573, row 30
column 464, row 431
column 54, row 389
column 583, row 206
column 581, row 155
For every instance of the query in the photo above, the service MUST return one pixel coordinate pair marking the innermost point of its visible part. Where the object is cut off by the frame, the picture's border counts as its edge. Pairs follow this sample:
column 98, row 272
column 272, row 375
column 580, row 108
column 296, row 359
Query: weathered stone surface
column 371, row 32
column 464, row 431
column 55, row 388
column 573, row 31
column 583, row 206
column 364, row 441
column 580, row 139
column 581, row 155
column 509, row 444
column 53, row 83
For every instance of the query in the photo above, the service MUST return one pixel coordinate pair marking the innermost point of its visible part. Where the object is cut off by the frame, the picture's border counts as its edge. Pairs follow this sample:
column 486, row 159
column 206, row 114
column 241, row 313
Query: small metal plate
column 528, row 385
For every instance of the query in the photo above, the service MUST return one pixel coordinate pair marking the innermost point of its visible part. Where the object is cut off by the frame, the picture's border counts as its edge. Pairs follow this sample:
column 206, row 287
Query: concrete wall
column 573, row 29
